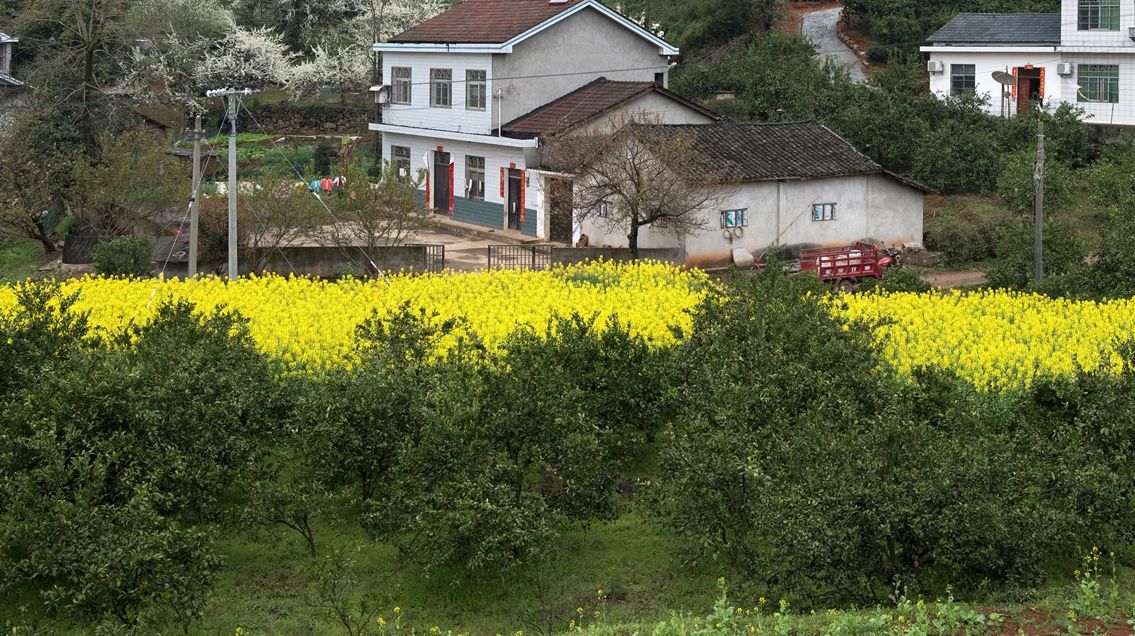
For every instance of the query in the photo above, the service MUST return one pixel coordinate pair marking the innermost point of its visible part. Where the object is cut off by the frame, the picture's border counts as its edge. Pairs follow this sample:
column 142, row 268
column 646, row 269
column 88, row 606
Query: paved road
column 820, row 28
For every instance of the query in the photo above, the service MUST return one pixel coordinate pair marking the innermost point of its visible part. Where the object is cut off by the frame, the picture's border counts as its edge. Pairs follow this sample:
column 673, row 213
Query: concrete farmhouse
column 473, row 97
column 1084, row 55
column 793, row 184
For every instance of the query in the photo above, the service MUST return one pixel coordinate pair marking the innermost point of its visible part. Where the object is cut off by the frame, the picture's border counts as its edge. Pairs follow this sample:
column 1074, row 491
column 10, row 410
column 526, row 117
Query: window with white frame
column 1099, row 15
column 441, row 87
column 1098, row 83
column 402, row 79
column 963, row 79
column 475, row 177
column 734, row 218
column 823, row 212
column 475, row 90
column 400, row 156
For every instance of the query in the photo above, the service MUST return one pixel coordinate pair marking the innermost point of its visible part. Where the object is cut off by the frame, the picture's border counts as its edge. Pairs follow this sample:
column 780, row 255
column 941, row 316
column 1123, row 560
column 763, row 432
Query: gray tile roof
column 1000, row 29
column 775, row 151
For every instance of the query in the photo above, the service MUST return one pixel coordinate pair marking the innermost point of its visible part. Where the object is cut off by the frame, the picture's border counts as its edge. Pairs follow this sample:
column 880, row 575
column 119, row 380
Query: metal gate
column 435, row 256
column 520, row 256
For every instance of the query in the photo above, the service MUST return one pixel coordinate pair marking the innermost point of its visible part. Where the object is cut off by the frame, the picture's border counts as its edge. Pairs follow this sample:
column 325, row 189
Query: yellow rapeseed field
column 310, row 324
column 997, row 340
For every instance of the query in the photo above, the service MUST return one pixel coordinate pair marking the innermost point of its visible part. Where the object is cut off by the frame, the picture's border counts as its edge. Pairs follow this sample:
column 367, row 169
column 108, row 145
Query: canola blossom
column 310, row 324
column 997, row 340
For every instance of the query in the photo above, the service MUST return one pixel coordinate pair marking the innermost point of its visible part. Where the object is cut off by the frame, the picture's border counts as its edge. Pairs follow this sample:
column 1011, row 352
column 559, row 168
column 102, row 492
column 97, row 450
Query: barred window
column 475, row 177
column 400, row 156
column 603, row 209
column 475, row 90
column 734, row 218
column 1098, row 83
column 963, row 78
column 1099, row 15
column 823, row 212
column 402, row 83
column 441, row 87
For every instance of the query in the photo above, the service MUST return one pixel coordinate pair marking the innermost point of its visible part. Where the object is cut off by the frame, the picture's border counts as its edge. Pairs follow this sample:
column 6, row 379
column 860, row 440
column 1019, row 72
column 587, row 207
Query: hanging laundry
column 326, row 185
column 314, row 185
column 340, row 181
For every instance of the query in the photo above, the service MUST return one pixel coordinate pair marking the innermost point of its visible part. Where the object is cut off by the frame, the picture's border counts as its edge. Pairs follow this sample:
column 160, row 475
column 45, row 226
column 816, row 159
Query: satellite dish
column 1004, row 78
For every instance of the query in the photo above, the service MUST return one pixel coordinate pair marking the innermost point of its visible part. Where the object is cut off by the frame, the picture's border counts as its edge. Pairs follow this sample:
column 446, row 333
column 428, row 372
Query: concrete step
column 469, row 230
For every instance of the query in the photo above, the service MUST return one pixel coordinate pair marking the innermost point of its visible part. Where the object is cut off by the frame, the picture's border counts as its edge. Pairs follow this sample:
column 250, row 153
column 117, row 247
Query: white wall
column 1122, row 113
column 419, row 114
column 987, row 62
column 874, row 207
column 1072, row 36
column 574, row 52
column 496, row 157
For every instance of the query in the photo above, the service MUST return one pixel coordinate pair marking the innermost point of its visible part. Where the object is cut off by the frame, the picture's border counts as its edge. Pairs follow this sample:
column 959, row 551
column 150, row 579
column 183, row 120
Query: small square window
column 734, row 218
column 1098, row 83
column 603, row 209
column 823, row 212
column 963, row 79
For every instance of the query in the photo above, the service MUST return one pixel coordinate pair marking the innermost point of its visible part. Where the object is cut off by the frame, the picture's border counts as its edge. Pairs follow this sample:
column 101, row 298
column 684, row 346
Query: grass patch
column 19, row 259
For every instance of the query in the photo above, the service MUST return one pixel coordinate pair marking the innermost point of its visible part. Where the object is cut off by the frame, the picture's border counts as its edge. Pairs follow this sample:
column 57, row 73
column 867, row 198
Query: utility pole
column 1038, row 220
column 232, row 108
column 195, row 202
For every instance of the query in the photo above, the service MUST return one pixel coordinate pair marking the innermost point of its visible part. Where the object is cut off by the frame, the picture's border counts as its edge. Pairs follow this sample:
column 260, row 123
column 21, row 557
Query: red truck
column 848, row 265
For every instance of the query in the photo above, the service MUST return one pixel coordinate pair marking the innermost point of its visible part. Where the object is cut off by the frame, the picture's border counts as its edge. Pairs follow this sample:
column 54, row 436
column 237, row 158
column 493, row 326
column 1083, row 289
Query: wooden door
column 441, row 182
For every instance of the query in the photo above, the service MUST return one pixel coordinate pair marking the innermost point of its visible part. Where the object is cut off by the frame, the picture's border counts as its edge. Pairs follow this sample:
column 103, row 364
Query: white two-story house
column 470, row 95
column 1084, row 55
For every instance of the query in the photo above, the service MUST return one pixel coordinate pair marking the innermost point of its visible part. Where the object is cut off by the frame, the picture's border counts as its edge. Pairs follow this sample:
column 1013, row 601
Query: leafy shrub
column 503, row 456
column 124, row 256
column 1063, row 255
column 815, row 473
column 897, row 280
column 1016, row 185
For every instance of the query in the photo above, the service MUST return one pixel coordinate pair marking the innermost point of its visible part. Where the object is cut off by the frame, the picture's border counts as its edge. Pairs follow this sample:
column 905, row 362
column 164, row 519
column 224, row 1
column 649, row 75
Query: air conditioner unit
column 1131, row 32
column 381, row 94
column 935, row 66
column 1065, row 69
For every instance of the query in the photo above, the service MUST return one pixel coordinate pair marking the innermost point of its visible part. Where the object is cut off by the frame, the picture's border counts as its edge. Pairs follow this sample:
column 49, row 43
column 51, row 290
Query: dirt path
column 947, row 279
column 820, row 27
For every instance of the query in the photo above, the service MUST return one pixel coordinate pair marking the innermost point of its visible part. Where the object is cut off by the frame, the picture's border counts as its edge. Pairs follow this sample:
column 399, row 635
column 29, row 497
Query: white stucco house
column 790, row 184
column 1084, row 55
column 470, row 94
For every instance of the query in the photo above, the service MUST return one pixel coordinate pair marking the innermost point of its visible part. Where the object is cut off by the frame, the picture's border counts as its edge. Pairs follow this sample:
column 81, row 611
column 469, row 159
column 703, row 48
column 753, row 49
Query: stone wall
column 573, row 255
column 321, row 119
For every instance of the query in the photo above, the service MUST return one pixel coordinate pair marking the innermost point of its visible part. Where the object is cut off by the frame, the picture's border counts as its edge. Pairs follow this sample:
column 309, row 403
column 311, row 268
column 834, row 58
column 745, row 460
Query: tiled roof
column 484, row 22
column 4, row 37
column 1000, row 29
column 584, row 104
column 777, row 151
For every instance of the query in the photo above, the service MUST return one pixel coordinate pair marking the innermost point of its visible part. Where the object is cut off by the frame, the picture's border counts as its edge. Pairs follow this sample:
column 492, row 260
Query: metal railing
column 520, row 256
column 435, row 256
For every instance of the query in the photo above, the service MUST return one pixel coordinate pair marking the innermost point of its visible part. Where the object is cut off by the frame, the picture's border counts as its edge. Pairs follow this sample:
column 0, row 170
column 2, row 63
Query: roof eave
column 664, row 47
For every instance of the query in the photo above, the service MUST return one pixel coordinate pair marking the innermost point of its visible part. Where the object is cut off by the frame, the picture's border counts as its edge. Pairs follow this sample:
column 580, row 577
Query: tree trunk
column 45, row 240
column 632, row 239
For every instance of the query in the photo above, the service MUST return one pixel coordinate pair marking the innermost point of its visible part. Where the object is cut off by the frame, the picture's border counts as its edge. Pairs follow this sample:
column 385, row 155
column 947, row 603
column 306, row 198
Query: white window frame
column 441, row 88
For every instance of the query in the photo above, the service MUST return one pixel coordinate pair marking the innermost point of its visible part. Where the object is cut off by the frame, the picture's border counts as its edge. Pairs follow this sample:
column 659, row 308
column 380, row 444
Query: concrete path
column 820, row 28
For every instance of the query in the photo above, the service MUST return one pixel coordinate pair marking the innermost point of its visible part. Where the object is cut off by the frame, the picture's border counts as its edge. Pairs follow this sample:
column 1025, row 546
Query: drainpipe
column 500, row 100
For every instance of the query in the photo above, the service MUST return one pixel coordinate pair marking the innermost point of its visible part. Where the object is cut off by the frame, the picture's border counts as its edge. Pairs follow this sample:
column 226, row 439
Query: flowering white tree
column 247, row 58
column 341, row 69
